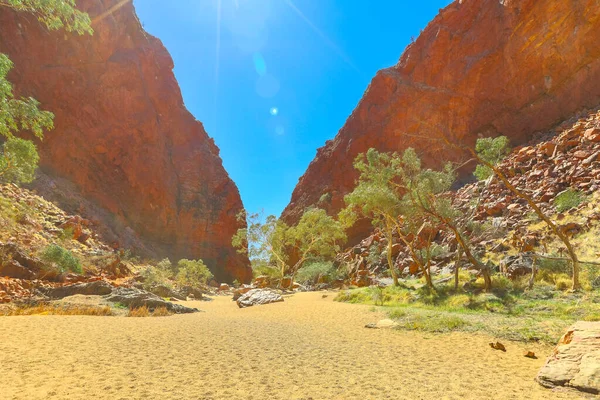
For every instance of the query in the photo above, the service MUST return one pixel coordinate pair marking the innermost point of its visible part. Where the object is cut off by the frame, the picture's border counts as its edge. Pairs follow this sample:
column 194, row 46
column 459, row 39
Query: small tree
column 489, row 152
column 317, row 236
column 263, row 241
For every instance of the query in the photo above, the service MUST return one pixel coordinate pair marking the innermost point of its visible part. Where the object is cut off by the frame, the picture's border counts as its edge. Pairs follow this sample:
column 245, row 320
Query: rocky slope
column 564, row 158
column 124, row 140
column 484, row 67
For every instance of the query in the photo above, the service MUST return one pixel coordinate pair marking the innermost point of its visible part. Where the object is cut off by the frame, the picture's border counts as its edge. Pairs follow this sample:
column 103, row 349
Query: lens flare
column 274, row 111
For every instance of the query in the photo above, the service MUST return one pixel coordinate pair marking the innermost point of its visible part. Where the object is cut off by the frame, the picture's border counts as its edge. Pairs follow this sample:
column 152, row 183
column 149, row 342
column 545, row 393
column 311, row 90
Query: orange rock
column 116, row 91
column 480, row 67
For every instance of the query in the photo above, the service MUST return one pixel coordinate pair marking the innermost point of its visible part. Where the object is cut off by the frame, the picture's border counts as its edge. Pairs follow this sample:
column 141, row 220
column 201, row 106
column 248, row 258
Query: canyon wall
column 481, row 67
column 123, row 137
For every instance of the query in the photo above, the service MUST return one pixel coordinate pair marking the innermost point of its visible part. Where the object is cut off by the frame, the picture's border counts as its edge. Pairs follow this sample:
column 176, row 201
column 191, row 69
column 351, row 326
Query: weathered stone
column 12, row 269
column 134, row 298
column 97, row 288
column 515, row 266
column 256, row 297
column 165, row 291
column 383, row 324
column 575, row 362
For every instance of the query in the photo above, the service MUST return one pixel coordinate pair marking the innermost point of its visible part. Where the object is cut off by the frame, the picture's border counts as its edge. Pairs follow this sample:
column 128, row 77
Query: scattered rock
column 256, row 297
column 529, row 354
column 498, row 346
column 383, row 324
column 575, row 362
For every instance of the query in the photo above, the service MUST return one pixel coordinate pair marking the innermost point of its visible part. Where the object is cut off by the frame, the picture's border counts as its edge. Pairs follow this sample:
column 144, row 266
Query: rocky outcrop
column 124, row 138
column 575, row 362
column 481, row 67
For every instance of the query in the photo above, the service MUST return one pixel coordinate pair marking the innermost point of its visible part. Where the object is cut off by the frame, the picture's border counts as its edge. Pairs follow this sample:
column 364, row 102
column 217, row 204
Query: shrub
column 192, row 273
column 63, row 258
column 568, row 199
column 166, row 266
column 311, row 273
column 154, row 276
column 263, row 269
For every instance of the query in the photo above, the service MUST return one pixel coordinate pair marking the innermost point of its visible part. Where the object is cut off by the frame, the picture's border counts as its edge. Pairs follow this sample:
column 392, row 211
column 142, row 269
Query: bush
column 154, row 276
column 63, row 258
column 166, row 266
column 192, row 273
column 263, row 269
column 311, row 273
column 18, row 161
column 568, row 199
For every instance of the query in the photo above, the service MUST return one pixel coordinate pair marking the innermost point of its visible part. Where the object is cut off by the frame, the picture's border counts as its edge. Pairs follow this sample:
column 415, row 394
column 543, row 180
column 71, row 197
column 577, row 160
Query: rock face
column 481, row 67
column 124, row 137
column 575, row 362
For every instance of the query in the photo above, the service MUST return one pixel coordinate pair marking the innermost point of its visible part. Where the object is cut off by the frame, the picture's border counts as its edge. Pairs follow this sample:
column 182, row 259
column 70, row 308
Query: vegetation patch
column 50, row 309
column 62, row 258
column 511, row 312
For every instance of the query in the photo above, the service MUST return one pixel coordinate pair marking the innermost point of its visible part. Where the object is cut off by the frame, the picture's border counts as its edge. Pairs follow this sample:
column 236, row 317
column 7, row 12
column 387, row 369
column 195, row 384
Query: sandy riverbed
column 305, row 348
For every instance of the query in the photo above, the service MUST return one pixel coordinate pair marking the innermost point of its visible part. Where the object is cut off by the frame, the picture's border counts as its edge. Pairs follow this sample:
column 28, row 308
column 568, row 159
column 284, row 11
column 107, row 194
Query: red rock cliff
column 492, row 67
column 124, row 137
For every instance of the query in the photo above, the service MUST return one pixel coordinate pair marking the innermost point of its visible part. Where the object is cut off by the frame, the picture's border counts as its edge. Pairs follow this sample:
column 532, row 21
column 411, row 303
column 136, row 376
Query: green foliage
column 192, row 273
column 568, row 199
column 317, row 235
column 63, row 258
column 491, row 151
column 311, row 273
column 18, row 160
column 264, row 240
column 55, row 14
column 268, row 242
column 155, row 276
column 166, row 266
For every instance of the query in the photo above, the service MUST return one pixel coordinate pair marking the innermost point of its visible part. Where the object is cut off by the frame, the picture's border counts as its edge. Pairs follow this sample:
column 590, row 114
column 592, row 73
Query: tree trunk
column 457, row 268
column 533, row 272
column 389, row 256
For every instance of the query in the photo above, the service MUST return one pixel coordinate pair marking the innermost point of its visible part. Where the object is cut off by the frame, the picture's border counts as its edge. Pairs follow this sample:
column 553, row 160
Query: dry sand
column 305, row 348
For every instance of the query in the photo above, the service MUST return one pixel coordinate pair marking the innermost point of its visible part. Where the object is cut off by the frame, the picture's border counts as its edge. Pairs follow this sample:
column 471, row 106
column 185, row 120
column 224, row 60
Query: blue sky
column 286, row 75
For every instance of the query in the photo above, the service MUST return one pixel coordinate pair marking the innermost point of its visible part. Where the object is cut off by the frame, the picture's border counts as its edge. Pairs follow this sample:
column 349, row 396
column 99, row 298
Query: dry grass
column 139, row 312
column 50, row 309
column 144, row 311
column 162, row 312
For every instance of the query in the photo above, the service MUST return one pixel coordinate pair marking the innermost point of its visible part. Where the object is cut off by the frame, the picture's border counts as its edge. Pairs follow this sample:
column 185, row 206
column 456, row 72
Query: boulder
column 515, row 266
column 134, row 298
column 165, row 291
column 383, row 324
column 12, row 269
column 97, row 288
column 237, row 293
column 190, row 291
column 575, row 362
column 256, row 297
